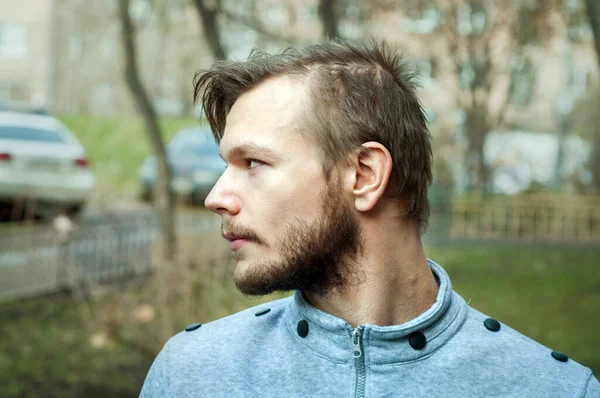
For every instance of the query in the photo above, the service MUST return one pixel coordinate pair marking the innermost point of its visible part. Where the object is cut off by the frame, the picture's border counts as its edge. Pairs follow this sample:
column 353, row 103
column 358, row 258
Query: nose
column 222, row 199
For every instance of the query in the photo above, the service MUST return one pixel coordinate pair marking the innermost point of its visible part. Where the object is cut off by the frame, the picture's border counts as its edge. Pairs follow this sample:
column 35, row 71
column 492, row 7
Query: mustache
column 239, row 231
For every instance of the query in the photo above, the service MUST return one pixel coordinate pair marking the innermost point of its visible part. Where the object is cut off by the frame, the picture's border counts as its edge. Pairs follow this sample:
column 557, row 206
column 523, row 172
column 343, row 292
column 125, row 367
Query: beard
column 314, row 257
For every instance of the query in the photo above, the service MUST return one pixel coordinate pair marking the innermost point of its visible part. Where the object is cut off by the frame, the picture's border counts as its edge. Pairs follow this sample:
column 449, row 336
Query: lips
column 231, row 237
column 237, row 241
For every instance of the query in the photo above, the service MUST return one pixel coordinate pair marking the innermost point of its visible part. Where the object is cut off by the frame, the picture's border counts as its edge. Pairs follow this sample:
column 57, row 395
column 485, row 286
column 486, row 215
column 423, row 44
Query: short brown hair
column 358, row 93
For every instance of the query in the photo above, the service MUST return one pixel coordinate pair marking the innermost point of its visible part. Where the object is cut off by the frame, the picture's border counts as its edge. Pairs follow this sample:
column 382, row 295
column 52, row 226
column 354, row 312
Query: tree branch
column 210, row 26
column 593, row 11
column 257, row 25
column 164, row 200
column 327, row 12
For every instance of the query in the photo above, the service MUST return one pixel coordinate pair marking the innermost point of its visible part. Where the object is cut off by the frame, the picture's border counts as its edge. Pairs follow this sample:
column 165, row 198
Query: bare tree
column 210, row 27
column 478, row 75
column 164, row 200
column 481, row 40
column 585, row 117
column 593, row 11
column 209, row 19
column 328, row 12
column 253, row 21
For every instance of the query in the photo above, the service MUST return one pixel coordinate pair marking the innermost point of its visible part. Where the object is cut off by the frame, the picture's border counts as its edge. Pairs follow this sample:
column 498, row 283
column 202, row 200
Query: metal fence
column 532, row 218
column 35, row 260
column 113, row 246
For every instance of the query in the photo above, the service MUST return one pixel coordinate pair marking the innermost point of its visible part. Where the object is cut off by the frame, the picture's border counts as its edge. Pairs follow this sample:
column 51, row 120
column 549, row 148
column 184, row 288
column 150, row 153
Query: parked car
column 194, row 161
column 42, row 162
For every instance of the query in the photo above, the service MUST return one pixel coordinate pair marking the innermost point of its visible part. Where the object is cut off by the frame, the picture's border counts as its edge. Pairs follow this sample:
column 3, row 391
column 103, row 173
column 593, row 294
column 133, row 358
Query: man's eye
column 252, row 163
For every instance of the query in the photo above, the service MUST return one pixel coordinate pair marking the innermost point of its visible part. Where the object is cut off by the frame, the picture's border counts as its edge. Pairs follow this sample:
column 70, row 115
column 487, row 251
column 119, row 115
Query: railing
column 533, row 218
column 36, row 260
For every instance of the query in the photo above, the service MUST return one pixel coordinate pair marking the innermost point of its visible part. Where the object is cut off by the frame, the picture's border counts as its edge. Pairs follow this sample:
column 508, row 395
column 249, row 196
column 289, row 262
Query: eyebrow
column 250, row 149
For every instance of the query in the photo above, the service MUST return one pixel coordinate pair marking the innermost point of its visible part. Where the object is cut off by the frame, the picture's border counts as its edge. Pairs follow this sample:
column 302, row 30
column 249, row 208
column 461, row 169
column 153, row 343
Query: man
column 325, row 193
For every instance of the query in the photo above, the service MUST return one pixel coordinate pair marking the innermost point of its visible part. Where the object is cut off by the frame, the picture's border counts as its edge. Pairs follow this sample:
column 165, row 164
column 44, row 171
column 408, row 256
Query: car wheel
column 145, row 194
column 11, row 212
column 75, row 211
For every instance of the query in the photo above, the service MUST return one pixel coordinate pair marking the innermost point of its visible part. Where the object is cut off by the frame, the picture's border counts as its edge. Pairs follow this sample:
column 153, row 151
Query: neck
column 396, row 282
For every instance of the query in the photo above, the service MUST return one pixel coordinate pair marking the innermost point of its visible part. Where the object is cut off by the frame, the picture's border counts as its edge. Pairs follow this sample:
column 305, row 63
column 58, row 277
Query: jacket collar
column 331, row 337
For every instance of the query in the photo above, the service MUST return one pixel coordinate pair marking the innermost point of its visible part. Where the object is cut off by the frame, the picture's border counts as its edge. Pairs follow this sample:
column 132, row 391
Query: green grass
column 116, row 147
column 549, row 294
column 46, row 351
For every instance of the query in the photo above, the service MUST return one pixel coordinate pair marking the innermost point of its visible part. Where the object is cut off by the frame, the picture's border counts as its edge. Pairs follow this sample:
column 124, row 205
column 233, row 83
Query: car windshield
column 30, row 134
column 196, row 142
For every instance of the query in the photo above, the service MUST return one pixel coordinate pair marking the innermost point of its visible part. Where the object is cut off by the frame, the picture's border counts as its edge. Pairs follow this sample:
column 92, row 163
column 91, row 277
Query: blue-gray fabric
column 245, row 355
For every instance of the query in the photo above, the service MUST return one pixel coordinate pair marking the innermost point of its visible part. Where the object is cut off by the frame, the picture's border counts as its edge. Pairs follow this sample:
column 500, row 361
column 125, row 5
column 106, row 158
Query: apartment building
column 26, row 53
column 68, row 54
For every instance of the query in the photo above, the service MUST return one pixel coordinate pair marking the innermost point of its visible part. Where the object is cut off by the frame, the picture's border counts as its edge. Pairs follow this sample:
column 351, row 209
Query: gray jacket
column 287, row 348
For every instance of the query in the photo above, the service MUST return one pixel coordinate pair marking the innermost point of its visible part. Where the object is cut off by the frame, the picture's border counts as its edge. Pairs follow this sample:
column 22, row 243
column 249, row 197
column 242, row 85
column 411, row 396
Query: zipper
column 359, row 361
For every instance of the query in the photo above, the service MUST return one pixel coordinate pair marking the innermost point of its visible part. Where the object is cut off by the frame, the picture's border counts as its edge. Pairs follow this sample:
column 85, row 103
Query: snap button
column 263, row 312
column 302, row 328
column 492, row 324
column 417, row 340
column 193, row 327
column 559, row 356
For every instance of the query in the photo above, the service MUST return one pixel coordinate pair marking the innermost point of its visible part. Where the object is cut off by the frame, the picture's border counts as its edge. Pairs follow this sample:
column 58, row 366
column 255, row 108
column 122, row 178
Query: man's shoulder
column 489, row 344
column 228, row 332
column 489, row 331
column 217, row 350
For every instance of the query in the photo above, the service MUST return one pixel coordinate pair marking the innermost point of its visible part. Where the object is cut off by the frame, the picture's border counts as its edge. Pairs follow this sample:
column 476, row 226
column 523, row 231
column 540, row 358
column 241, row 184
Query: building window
column 74, row 47
column 426, row 72
column 101, row 99
column 308, row 13
column 275, row 14
column 521, row 85
column 13, row 41
column 466, row 75
column 420, row 20
column 168, row 84
column 4, row 92
column 579, row 81
column 106, row 47
column 140, row 10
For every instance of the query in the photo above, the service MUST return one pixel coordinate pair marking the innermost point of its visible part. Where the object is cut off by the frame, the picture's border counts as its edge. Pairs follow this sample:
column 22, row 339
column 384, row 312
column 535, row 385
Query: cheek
column 282, row 198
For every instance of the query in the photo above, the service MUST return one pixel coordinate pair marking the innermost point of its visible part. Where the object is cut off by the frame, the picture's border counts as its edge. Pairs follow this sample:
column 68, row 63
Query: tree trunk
column 595, row 163
column 563, row 127
column 163, row 198
column 328, row 15
column 477, row 130
column 593, row 11
column 210, row 27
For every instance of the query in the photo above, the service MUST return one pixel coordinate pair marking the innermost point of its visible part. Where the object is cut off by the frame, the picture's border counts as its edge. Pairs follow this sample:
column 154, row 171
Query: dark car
column 194, row 161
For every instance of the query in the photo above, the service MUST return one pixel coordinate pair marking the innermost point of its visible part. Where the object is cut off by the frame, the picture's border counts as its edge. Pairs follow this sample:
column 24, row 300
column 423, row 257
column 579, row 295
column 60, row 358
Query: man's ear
column 370, row 174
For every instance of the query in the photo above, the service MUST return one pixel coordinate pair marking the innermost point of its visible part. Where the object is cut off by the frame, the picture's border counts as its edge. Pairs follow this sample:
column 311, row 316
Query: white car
column 41, row 161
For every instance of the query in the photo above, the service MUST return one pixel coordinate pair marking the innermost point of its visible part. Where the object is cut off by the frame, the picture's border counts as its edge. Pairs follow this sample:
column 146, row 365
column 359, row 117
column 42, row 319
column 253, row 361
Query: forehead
column 268, row 114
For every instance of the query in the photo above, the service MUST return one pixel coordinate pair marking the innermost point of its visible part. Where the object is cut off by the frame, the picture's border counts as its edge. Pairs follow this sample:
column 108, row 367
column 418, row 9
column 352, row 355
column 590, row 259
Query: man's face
column 289, row 227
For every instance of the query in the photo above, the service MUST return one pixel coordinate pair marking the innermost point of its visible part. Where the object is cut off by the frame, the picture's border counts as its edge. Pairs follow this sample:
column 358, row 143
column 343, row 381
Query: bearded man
column 325, row 193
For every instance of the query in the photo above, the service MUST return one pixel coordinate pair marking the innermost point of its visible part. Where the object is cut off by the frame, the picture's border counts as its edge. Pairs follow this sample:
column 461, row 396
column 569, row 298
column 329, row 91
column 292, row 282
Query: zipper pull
column 356, row 350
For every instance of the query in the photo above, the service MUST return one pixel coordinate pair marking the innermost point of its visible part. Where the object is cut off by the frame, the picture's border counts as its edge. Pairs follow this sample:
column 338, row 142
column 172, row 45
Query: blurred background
column 105, row 247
